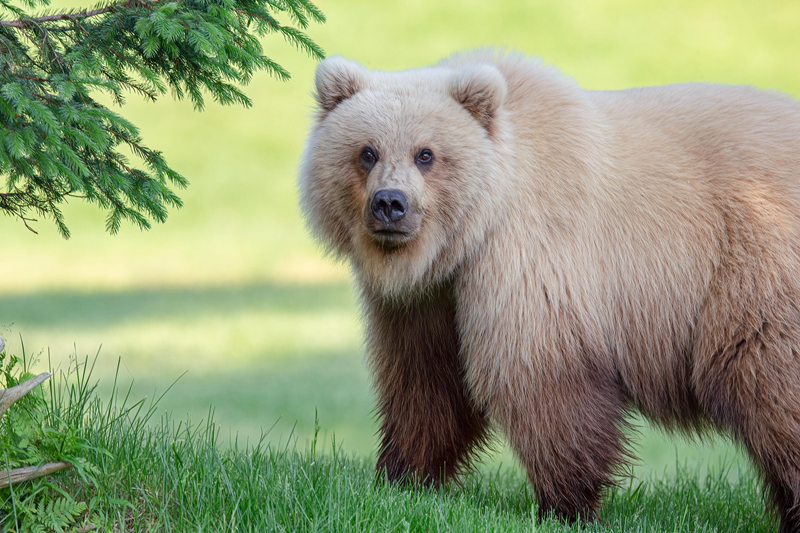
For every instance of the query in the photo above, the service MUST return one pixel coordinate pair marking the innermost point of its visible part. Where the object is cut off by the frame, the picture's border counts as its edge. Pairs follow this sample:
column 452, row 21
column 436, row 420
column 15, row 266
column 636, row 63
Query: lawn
column 138, row 470
column 231, row 293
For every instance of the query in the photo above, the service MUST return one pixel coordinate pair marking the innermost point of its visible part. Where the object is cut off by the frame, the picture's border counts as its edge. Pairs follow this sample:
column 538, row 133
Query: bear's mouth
column 390, row 238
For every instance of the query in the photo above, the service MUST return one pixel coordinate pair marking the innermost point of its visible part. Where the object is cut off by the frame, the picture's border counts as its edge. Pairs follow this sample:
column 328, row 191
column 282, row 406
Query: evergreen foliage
column 58, row 142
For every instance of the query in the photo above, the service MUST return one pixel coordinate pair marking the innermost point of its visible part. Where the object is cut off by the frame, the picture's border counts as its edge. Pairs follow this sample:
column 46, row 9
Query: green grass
column 142, row 471
column 233, row 291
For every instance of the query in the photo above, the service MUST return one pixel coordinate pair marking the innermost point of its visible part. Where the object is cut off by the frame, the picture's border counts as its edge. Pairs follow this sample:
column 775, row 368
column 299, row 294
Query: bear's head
column 401, row 171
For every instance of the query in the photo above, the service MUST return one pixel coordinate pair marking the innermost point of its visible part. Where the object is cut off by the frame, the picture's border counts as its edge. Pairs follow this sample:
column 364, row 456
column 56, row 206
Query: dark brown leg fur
column 747, row 355
column 750, row 387
column 568, row 434
column 429, row 426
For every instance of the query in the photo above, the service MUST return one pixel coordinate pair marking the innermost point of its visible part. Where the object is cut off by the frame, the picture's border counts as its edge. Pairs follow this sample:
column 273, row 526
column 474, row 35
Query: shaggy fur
column 568, row 255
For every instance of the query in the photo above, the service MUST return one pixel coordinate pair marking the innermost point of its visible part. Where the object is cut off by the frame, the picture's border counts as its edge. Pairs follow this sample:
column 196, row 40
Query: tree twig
column 74, row 16
column 18, row 475
column 9, row 396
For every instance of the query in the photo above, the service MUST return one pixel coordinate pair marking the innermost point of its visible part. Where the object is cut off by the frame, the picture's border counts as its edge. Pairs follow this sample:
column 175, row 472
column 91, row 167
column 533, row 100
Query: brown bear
column 545, row 259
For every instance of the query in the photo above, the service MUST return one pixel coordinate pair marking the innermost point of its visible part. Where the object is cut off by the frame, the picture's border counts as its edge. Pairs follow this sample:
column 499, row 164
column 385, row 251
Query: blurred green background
column 233, row 291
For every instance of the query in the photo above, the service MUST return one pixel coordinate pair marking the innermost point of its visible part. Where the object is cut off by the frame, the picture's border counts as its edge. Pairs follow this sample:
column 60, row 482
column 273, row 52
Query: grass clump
column 41, row 428
column 137, row 470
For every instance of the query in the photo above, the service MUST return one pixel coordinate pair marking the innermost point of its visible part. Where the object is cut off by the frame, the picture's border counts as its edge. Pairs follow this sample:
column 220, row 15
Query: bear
column 543, row 260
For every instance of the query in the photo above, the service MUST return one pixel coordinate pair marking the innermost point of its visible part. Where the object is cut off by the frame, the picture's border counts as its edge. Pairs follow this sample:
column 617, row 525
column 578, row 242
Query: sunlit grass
column 199, row 327
column 140, row 470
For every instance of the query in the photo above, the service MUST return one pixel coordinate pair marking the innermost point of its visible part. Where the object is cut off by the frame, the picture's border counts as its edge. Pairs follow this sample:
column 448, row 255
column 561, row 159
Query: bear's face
column 398, row 166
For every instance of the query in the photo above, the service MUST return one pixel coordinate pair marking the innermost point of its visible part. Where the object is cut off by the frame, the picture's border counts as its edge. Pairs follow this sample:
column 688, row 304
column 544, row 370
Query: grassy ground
column 138, row 471
column 267, row 488
column 232, row 291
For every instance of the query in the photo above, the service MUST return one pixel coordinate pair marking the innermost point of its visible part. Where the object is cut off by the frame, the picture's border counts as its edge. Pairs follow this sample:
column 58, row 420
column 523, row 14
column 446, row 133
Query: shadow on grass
column 107, row 308
column 684, row 502
column 280, row 396
column 689, row 501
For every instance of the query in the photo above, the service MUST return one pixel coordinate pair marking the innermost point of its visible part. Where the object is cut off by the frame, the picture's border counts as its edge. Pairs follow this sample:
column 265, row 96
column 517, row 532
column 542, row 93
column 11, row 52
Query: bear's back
column 730, row 133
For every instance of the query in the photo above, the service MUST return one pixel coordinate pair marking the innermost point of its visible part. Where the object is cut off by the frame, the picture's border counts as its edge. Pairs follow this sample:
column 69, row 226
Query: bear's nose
column 389, row 205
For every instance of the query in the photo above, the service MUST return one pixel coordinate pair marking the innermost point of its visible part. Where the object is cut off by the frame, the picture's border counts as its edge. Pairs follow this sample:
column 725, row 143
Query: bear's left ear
column 338, row 79
column 481, row 89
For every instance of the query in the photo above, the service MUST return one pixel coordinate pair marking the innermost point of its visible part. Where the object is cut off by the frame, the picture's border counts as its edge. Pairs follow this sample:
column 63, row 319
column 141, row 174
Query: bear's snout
column 391, row 217
column 389, row 206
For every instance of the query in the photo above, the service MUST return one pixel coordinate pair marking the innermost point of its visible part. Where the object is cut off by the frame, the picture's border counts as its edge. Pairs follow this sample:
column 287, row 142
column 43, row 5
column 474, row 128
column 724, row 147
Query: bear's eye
column 424, row 157
column 368, row 158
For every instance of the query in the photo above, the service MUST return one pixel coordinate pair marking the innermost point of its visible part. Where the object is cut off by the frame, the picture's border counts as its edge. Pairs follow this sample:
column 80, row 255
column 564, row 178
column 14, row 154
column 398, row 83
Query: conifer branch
column 22, row 23
column 58, row 141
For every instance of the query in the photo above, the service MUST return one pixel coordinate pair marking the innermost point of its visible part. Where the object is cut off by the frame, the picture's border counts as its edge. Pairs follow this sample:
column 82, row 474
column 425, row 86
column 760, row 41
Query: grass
column 145, row 471
column 233, row 292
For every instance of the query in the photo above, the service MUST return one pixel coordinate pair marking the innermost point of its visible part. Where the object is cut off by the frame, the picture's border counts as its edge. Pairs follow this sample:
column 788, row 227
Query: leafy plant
column 45, row 515
column 43, row 427
column 58, row 142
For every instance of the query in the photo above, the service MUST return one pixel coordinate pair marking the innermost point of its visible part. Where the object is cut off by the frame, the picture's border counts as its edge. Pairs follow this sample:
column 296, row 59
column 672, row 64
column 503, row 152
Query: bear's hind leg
column 752, row 388
column 429, row 426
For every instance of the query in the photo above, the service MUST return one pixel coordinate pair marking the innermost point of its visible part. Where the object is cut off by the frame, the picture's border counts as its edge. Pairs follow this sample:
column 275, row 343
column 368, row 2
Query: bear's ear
column 481, row 89
column 338, row 79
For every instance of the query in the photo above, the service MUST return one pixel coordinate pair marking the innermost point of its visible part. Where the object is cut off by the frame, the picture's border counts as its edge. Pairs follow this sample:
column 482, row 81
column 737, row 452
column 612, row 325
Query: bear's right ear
column 338, row 79
column 481, row 89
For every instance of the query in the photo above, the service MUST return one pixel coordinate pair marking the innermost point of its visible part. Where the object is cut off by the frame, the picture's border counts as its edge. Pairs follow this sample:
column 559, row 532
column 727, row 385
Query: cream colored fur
column 625, row 239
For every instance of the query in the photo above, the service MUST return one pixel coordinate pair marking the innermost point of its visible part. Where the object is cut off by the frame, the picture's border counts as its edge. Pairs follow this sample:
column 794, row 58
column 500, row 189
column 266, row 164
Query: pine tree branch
column 74, row 17
column 57, row 141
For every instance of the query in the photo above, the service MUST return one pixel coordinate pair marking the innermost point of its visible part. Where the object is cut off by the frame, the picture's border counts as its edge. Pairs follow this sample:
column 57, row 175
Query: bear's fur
column 563, row 257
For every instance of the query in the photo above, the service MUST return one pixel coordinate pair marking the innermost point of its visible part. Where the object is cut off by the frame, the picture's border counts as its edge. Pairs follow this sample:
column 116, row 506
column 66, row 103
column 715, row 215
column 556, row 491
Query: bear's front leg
column 566, row 425
column 429, row 427
column 557, row 400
